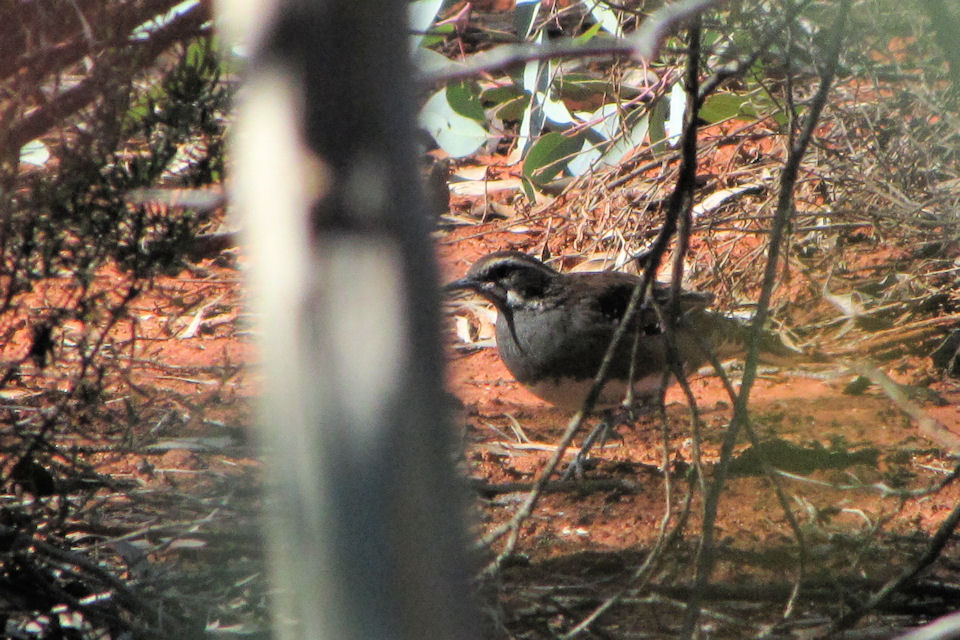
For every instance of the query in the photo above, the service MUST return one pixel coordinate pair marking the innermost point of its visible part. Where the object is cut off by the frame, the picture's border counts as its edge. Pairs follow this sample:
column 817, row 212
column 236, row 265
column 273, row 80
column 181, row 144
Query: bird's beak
column 491, row 291
column 463, row 284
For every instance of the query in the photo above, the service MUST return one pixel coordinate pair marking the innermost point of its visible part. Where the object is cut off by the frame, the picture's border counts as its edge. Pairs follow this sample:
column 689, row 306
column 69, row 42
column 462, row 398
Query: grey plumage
column 553, row 328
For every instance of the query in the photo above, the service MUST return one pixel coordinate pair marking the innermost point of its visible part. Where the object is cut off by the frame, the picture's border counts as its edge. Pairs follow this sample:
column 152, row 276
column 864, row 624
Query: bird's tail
column 729, row 337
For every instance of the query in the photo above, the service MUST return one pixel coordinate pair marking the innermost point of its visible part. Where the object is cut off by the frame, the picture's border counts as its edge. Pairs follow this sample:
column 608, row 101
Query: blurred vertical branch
column 365, row 522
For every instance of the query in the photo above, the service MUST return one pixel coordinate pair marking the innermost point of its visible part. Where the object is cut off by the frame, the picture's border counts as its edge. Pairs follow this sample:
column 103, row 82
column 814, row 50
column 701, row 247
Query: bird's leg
column 609, row 419
column 598, row 437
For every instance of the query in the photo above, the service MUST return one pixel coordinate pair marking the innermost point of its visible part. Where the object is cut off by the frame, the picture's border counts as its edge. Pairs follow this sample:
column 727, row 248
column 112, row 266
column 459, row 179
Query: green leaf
column 762, row 105
column 525, row 17
column 457, row 135
column 639, row 125
column 464, row 98
column 420, row 15
column 658, row 128
column 512, row 110
column 437, row 35
column 529, row 190
column 710, row 38
column 496, row 95
column 429, row 61
column 721, row 106
column 588, row 35
column 581, row 86
column 548, row 156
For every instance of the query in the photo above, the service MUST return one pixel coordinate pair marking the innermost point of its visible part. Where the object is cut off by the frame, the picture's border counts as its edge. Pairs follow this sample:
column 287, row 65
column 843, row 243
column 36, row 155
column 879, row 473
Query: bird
column 553, row 330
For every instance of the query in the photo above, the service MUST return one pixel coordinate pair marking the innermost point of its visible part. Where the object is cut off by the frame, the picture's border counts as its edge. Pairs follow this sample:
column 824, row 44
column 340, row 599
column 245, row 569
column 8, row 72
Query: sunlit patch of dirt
column 156, row 467
column 584, row 541
column 180, row 373
column 802, row 410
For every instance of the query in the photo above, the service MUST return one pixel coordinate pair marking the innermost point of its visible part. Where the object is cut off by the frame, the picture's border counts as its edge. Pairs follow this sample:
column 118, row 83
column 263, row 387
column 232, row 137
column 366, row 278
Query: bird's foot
column 630, row 414
column 604, row 431
column 597, row 437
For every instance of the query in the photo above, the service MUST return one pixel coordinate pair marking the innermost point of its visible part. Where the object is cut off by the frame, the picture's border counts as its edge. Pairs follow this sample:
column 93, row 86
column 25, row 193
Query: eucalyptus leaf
column 556, row 111
column 678, row 105
column 497, row 95
column 464, row 98
column 605, row 121
column 762, row 105
column 428, row 61
column 536, row 81
column 582, row 86
column 639, row 126
column 511, row 110
column 586, row 159
column 437, row 35
column 420, row 15
column 588, row 35
column 525, row 16
column 607, row 18
column 457, row 135
column 548, row 156
column 658, row 130
column 722, row 106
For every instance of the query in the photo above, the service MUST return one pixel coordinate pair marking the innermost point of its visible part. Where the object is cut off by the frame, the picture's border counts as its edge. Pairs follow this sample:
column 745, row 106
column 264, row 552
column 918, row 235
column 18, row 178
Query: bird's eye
column 499, row 272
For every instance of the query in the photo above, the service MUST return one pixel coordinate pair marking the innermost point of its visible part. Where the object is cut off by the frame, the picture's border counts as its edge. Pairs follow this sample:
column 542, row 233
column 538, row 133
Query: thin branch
column 927, row 425
column 70, row 48
column 679, row 211
column 187, row 25
column 681, row 197
column 648, row 39
column 644, row 43
column 741, row 66
column 908, row 575
column 505, row 56
column 705, row 552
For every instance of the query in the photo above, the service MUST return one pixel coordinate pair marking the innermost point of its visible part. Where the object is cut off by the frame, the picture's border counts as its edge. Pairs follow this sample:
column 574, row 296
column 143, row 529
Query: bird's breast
column 569, row 393
column 556, row 355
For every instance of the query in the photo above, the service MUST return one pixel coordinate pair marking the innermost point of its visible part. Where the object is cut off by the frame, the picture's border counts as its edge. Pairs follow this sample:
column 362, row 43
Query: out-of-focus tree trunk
column 364, row 526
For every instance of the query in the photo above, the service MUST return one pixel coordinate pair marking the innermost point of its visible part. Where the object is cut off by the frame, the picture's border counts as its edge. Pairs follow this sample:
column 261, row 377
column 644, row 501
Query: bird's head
column 508, row 279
